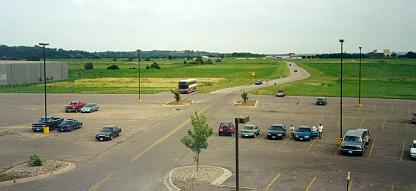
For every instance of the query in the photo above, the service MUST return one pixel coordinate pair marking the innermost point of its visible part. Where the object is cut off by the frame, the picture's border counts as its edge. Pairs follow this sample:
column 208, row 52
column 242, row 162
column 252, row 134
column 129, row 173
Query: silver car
column 89, row 107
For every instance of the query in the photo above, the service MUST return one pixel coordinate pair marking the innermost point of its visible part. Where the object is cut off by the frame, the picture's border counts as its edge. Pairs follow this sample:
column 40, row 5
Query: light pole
column 359, row 82
column 238, row 120
column 340, row 103
column 138, row 73
column 44, row 76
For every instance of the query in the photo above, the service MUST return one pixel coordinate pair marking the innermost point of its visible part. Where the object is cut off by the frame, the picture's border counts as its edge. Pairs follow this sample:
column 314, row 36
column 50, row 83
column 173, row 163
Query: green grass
column 234, row 73
column 381, row 78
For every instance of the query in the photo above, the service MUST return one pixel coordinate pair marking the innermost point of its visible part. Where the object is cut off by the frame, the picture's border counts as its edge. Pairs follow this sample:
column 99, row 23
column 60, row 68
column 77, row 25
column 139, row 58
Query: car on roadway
column 107, row 133
column 74, row 106
column 49, row 121
column 413, row 117
column 69, row 125
column 353, row 142
column 89, row 108
column 412, row 152
column 280, row 93
column 250, row 130
column 321, row 101
column 226, row 129
column 305, row 133
column 276, row 131
column 258, row 82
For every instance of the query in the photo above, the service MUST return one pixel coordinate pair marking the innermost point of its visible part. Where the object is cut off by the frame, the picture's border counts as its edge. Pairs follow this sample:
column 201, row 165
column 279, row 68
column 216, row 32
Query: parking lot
column 264, row 164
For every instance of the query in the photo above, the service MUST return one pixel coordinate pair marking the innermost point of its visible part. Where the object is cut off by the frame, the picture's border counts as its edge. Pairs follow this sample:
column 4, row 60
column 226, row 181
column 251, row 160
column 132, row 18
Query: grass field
column 381, row 78
column 230, row 72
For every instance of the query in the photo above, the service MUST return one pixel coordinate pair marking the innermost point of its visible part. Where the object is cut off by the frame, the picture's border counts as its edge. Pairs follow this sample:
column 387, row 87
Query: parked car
column 276, row 131
column 107, row 133
column 250, row 130
column 74, row 106
column 258, row 82
column 226, row 128
column 353, row 142
column 69, row 125
column 321, row 101
column 49, row 121
column 295, row 70
column 305, row 133
column 413, row 117
column 280, row 93
column 89, row 107
column 413, row 150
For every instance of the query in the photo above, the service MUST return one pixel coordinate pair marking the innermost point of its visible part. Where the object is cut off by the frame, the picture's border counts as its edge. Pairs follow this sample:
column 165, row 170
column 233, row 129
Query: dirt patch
column 180, row 103
column 25, row 171
column 250, row 103
column 187, row 178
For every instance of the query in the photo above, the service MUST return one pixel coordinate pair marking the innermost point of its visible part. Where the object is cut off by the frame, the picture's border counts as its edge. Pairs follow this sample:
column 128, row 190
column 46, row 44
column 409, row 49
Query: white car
column 413, row 150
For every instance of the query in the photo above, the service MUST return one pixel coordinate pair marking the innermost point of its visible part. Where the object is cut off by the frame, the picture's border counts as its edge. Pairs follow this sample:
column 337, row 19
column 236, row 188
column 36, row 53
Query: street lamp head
column 341, row 40
column 44, row 44
column 138, row 50
column 360, row 47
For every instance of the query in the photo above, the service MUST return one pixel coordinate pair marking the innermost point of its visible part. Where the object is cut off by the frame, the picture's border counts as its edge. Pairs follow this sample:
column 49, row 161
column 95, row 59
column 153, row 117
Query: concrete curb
column 68, row 168
column 217, row 182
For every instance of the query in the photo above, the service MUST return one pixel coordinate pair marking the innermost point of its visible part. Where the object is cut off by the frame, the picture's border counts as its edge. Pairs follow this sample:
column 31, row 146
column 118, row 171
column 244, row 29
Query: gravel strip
column 24, row 170
column 187, row 178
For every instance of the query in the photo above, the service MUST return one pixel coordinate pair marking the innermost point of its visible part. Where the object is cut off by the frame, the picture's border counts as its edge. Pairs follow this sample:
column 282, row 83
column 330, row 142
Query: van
column 353, row 142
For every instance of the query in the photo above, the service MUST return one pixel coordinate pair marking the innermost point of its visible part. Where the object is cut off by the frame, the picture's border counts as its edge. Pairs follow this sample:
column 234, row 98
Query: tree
column 89, row 66
column 197, row 138
column 176, row 95
column 199, row 60
column 113, row 67
column 155, row 65
column 170, row 57
column 410, row 54
column 209, row 61
column 244, row 95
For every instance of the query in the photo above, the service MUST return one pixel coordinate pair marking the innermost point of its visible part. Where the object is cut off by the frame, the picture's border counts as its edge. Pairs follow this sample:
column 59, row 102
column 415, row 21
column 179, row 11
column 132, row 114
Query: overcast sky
column 262, row 26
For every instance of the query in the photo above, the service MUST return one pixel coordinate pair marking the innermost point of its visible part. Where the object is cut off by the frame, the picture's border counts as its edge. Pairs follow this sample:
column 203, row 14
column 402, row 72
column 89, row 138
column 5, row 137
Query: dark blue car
column 305, row 133
column 69, row 125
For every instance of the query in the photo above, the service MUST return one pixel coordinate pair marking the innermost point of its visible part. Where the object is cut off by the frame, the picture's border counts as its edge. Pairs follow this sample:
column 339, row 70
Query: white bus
column 187, row 86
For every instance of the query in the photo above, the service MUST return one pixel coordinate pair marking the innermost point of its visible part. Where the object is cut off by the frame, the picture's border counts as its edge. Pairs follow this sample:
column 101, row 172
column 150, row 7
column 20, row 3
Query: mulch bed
column 24, row 170
column 251, row 103
column 181, row 102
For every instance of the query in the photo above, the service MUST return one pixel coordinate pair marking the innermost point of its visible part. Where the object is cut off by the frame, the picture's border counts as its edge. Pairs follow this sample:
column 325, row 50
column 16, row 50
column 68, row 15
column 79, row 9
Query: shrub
column 35, row 160
column 244, row 95
column 155, row 65
column 89, row 66
column 147, row 67
column 114, row 59
column 147, row 59
column 176, row 95
column 218, row 60
column 113, row 67
column 209, row 61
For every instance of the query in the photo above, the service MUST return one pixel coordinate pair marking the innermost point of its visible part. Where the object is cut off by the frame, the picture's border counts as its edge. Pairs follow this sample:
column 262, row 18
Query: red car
column 74, row 106
column 226, row 128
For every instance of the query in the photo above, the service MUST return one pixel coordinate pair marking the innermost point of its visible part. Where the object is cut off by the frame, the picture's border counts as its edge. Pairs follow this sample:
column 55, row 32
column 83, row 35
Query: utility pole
column 359, row 82
column 340, row 104
column 138, row 73
column 44, row 77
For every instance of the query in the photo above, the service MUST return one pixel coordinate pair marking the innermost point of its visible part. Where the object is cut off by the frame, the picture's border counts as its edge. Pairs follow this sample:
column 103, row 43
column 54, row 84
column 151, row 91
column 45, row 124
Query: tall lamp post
column 44, row 76
column 138, row 73
column 340, row 104
column 238, row 120
column 359, row 82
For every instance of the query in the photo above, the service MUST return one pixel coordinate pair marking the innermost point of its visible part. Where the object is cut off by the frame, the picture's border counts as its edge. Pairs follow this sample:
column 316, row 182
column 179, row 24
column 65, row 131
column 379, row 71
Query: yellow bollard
column 339, row 141
column 253, row 74
column 46, row 130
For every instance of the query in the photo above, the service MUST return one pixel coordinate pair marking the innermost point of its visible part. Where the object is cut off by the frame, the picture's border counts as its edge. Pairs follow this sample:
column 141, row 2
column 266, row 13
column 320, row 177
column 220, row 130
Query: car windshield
column 225, row 125
column 248, row 128
column 89, row 105
column 66, row 123
column 183, row 85
column 107, row 129
column 303, row 129
column 73, row 103
column 414, row 145
column 44, row 119
column 321, row 99
column 276, row 128
column 352, row 139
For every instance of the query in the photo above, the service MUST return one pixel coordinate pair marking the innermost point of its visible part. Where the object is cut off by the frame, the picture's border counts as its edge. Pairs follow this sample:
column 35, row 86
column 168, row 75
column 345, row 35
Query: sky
column 258, row 26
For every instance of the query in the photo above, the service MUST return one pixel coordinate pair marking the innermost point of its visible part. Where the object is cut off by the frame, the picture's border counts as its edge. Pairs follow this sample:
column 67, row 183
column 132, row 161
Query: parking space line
column 372, row 146
column 405, row 127
column 392, row 187
column 274, row 180
column 384, row 124
column 101, row 182
column 310, row 146
column 374, row 110
column 310, row 184
column 362, row 122
column 401, row 154
column 392, row 108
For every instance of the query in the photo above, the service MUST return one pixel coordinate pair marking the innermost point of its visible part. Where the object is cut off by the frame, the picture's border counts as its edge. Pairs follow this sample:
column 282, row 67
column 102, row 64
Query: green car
column 250, row 130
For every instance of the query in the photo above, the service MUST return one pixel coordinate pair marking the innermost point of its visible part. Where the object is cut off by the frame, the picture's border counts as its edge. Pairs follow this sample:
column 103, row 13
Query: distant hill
column 35, row 53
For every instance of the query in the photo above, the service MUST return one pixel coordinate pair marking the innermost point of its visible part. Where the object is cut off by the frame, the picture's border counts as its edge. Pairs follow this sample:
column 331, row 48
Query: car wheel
column 255, row 135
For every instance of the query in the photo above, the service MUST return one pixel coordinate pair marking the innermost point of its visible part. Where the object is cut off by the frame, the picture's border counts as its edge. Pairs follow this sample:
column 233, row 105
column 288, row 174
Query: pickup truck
column 74, row 106
column 49, row 121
